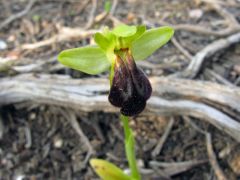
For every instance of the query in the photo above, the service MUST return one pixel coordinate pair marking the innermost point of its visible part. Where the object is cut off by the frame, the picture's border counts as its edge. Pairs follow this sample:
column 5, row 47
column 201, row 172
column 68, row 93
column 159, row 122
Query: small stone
column 32, row 116
column 20, row 177
column 58, row 143
column 157, row 14
column 11, row 38
column 3, row 45
column 196, row 13
column 140, row 163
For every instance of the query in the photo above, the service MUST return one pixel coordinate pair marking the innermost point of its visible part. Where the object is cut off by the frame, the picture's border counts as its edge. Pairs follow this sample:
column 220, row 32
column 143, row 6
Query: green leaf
column 107, row 170
column 90, row 60
column 124, row 30
column 150, row 41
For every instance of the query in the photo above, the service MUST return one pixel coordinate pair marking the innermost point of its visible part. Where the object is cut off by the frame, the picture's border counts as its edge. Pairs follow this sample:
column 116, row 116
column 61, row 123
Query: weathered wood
column 197, row 91
column 91, row 95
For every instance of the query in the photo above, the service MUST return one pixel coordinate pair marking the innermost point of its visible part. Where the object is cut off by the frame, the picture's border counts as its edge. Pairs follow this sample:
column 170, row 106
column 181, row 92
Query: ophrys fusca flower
column 117, row 51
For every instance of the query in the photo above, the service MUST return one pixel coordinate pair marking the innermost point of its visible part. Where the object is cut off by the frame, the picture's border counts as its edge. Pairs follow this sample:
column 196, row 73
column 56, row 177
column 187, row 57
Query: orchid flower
column 117, row 51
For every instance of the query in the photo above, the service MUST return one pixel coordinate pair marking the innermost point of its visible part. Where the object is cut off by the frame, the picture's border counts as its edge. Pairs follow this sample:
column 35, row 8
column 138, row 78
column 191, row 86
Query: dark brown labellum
column 130, row 86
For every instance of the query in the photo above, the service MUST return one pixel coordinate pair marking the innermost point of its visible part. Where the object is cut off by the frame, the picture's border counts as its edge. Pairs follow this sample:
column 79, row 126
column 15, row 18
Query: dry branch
column 163, row 139
column 232, row 23
column 71, row 116
column 91, row 95
column 64, row 34
column 197, row 90
column 196, row 63
column 202, row 30
column 173, row 168
column 91, row 15
column 213, row 159
column 18, row 15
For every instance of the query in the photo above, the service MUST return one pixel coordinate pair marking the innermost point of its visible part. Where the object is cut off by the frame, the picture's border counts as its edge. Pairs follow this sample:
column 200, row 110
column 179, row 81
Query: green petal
column 140, row 30
column 101, row 41
column 90, row 60
column 124, row 30
column 107, row 170
column 150, row 41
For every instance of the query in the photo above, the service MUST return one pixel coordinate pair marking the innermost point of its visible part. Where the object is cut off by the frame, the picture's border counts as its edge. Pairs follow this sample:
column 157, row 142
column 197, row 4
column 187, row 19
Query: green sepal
column 150, row 41
column 124, row 30
column 89, row 59
column 107, row 170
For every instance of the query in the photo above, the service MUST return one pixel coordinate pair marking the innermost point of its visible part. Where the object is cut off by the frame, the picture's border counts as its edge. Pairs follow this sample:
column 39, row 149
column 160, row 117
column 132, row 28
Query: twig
column 26, row 65
column 232, row 22
column 237, row 82
column 83, row 6
column 73, row 121
column 174, row 168
column 213, row 160
column 94, row 125
column 116, row 132
column 64, row 34
column 194, row 67
column 91, row 15
column 212, row 157
column 7, row 8
column 233, row 25
column 28, row 136
column 228, row 3
column 115, row 158
column 18, row 15
column 189, row 121
column 163, row 138
column 114, row 6
column 115, row 20
column 1, row 127
column 181, row 49
column 106, row 14
column 201, row 30
column 219, row 78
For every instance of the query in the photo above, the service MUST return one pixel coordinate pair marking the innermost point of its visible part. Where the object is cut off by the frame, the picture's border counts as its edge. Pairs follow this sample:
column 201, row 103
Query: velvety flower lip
column 121, row 89
column 130, row 86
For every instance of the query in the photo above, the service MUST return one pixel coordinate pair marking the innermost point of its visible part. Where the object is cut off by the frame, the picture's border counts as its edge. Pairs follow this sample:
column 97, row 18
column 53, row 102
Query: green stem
column 130, row 148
